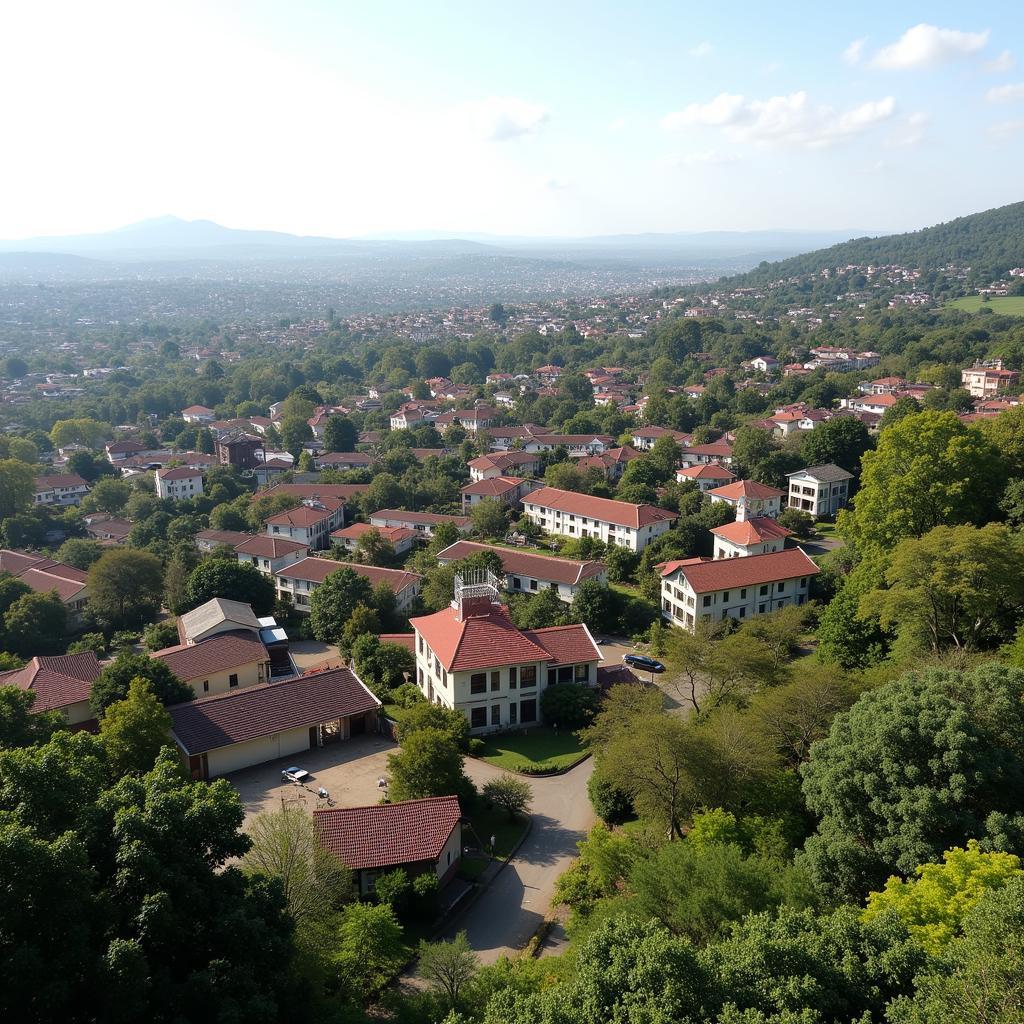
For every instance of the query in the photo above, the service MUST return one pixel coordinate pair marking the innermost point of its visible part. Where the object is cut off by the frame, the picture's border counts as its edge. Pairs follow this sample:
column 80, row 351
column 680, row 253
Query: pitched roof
column 421, row 518
column 266, row 708
column 214, row 612
column 44, row 574
column 752, row 531
column 622, row 513
column 406, row 640
column 263, row 546
column 708, row 574
column 567, row 645
column 316, row 570
column 231, row 537
column 746, row 489
column 706, row 471
column 383, row 835
column 497, row 485
column 218, row 654
column 56, row 681
column 303, row 515
column 523, row 563
column 392, row 533
column 318, row 490
column 46, row 483
column 179, row 473
column 722, row 448
column 829, row 472
column 197, row 409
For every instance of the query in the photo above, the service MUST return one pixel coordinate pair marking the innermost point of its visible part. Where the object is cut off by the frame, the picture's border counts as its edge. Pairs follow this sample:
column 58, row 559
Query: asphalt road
column 505, row 917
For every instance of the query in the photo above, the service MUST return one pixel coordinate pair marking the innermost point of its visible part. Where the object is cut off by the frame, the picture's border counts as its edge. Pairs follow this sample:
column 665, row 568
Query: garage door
column 267, row 748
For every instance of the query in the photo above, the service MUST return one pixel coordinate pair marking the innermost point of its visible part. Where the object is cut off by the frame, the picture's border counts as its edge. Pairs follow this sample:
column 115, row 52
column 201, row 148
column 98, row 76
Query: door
column 357, row 725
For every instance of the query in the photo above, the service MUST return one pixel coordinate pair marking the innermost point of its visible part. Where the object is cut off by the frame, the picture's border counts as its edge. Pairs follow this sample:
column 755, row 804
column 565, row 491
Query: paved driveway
column 505, row 917
column 348, row 770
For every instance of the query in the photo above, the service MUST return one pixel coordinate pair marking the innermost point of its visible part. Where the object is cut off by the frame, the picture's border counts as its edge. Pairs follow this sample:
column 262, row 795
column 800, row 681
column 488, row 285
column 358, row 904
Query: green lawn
column 535, row 750
column 1009, row 305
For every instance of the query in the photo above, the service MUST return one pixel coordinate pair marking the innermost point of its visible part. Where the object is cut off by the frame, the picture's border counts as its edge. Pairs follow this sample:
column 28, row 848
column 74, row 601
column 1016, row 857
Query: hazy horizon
column 566, row 121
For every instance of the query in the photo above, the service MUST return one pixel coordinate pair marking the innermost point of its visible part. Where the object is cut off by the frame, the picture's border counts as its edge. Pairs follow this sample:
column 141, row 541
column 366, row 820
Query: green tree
column 109, row 495
column 370, row 949
column 36, row 624
column 373, row 548
column 842, row 441
column 84, row 431
column 236, row 581
column 428, row 764
column 424, row 715
column 382, row 666
column 134, row 730
column 490, row 518
column 79, row 552
column 340, row 434
column 538, row 611
column 17, row 485
column 114, row 682
column 295, row 432
column 512, row 795
column 125, row 588
column 448, row 967
column 929, row 470
column 20, row 726
column 956, row 586
column 285, row 846
column 332, row 603
column 934, row 904
column 158, row 635
column 569, row 706
column 916, row 766
column 594, row 604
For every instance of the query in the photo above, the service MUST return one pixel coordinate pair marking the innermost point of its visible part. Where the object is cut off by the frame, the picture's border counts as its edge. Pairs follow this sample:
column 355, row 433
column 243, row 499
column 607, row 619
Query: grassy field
column 536, row 750
column 1008, row 305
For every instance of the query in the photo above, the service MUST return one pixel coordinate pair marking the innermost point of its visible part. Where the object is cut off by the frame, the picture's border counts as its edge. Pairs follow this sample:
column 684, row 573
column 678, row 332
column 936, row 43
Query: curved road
column 505, row 917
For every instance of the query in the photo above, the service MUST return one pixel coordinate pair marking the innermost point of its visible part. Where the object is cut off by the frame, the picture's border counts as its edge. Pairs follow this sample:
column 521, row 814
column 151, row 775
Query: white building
column 471, row 658
column 310, row 523
column 750, row 498
column 179, row 483
column 60, row 489
column 297, row 582
column 581, row 515
column 696, row 590
column 821, row 491
column 758, row 536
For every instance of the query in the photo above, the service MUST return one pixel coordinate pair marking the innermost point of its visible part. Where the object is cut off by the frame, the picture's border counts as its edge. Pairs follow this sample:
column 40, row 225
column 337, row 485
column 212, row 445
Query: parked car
column 295, row 774
column 641, row 661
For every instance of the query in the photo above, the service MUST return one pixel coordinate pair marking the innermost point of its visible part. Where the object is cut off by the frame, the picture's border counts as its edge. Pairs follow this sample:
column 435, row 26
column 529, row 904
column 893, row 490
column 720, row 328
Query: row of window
column 524, row 711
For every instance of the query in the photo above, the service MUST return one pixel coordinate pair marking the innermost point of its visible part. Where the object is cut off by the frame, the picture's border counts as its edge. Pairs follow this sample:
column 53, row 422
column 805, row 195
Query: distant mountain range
column 176, row 239
column 991, row 243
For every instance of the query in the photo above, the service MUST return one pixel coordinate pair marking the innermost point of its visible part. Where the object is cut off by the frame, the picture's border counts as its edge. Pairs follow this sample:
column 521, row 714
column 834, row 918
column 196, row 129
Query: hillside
column 990, row 243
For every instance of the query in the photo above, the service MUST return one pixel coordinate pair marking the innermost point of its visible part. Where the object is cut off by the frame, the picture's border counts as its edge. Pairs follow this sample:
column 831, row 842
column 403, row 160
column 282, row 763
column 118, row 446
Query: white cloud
column 911, row 131
column 782, row 120
column 704, row 49
column 713, row 157
column 998, row 65
column 853, row 53
column 617, row 125
column 927, row 46
column 1007, row 129
column 1006, row 93
column 500, row 118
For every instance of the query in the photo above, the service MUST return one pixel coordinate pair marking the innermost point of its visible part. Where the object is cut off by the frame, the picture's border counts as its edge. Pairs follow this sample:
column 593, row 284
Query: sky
column 535, row 118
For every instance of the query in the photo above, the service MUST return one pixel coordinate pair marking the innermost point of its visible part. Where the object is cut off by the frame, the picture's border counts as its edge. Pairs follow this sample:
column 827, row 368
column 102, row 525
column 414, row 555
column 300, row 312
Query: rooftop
column 829, row 472
column 621, row 513
column 56, row 681
column 215, row 611
column 706, row 574
column 746, row 489
column 218, row 654
column 523, row 563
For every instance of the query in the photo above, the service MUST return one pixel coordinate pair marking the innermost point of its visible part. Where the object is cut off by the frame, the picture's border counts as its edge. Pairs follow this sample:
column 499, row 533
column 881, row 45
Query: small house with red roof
column 470, row 657
column 179, row 483
column 60, row 683
column 401, row 538
column 757, row 536
column 714, row 451
column 706, row 475
column 749, row 498
column 419, row 836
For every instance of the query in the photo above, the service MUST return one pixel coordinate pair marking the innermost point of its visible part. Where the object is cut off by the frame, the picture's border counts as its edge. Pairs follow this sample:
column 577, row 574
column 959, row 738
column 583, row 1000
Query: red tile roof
column 56, row 681
column 746, row 489
column 179, row 473
column 218, row 654
column 522, row 563
column 46, row 483
column 256, row 711
column 705, row 574
column 406, row 640
column 752, row 531
column 269, row 547
column 706, row 471
column 343, row 491
column 316, row 570
column 231, row 537
column 497, row 485
column 386, row 835
column 418, row 518
column 607, row 510
column 720, row 448
column 306, row 515
column 44, row 574
column 567, row 645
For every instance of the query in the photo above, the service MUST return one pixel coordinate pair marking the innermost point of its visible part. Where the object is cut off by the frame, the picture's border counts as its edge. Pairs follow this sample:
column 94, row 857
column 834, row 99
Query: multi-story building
column 509, row 490
column 60, row 489
column 268, row 554
column 243, row 451
column 401, row 538
column 988, row 379
column 310, row 523
column 297, row 582
column 222, row 662
column 486, row 467
column 749, row 498
column 471, row 658
column 695, row 590
column 821, row 491
column 179, row 483
column 423, row 523
column 581, row 515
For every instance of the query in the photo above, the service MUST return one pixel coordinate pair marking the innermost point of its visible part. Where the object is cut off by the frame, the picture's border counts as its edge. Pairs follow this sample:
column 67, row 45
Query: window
column 707, row 600
column 233, row 679
column 725, row 596
column 206, row 686
column 478, row 682
column 760, row 609
column 513, row 582
column 803, row 581
column 495, row 714
column 419, row 676
column 582, row 673
column 528, row 677
column 496, row 680
column 533, row 584
column 782, row 588
column 421, row 644
column 743, row 594
column 528, row 710
column 763, row 591
column 513, row 714
column 437, row 668
column 477, row 718
column 512, row 678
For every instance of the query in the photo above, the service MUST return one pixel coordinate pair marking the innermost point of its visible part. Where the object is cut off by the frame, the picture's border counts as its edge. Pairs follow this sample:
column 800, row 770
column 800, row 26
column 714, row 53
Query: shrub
column 569, row 705
column 476, row 746
column 610, row 803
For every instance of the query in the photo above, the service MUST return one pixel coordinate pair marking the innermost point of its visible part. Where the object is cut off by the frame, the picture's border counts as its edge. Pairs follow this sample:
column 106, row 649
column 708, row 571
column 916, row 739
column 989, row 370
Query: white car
column 295, row 774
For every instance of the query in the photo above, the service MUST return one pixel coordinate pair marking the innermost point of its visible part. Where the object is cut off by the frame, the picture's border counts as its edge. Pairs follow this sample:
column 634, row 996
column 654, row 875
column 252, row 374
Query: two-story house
column 60, row 489
column 311, row 523
column 821, row 491
column 298, row 581
column 179, row 483
column 223, row 662
column 695, row 590
column 424, row 523
column 706, row 475
column 570, row 514
column 268, row 554
column 749, row 498
column 471, row 658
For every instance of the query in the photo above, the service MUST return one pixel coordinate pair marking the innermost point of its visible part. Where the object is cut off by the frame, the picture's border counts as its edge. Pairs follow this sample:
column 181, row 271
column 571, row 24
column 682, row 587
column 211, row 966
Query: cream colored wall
column 248, row 675
column 78, row 713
